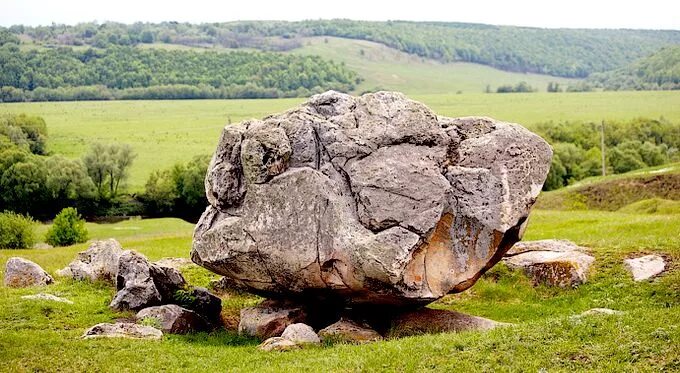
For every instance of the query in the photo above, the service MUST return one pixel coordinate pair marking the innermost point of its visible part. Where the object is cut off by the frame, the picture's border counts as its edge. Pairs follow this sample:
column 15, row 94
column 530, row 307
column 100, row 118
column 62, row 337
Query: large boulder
column 20, row 273
column 98, row 262
column 366, row 200
column 559, row 263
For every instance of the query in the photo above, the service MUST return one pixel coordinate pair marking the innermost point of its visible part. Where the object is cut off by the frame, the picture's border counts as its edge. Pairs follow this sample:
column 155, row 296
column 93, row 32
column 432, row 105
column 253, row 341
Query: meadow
column 547, row 333
column 165, row 132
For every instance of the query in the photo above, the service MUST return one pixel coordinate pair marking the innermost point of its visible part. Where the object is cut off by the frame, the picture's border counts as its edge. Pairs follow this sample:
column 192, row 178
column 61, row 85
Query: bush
column 68, row 228
column 16, row 231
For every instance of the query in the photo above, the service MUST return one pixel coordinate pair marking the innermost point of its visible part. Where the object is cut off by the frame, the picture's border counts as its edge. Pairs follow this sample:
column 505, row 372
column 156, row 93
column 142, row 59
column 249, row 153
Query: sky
column 648, row 14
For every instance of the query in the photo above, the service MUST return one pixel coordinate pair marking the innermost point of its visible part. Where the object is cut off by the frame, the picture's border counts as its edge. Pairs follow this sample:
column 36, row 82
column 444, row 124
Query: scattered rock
column 48, row 297
column 427, row 320
column 391, row 203
column 98, row 262
column 136, row 288
column 349, row 331
column 122, row 330
column 645, row 267
column 600, row 311
column 300, row 333
column 203, row 302
column 167, row 281
column 278, row 344
column 551, row 262
column 20, row 273
column 176, row 263
column 174, row 319
column 269, row 319
column 43, row 246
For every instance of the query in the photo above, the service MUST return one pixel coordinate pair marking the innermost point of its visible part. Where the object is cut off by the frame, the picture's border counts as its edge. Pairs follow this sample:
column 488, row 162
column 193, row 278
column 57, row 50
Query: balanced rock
column 20, row 273
column 349, row 331
column 366, row 200
column 122, row 330
column 427, row 320
column 98, row 262
column 174, row 319
column 645, row 267
column 269, row 319
column 552, row 262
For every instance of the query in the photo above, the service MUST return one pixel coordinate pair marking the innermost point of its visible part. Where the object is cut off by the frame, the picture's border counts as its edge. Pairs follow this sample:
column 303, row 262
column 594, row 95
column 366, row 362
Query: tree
column 108, row 166
column 68, row 228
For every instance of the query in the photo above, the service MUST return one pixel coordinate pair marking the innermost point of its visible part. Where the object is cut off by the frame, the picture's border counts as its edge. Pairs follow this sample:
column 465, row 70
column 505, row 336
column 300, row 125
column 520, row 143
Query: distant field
column 386, row 68
column 165, row 132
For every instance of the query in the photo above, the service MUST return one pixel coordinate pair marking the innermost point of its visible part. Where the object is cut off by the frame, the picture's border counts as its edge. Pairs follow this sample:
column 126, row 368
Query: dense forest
column 558, row 52
column 132, row 73
column 658, row 71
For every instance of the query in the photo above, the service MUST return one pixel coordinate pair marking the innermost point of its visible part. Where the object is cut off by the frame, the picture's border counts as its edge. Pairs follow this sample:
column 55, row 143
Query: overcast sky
column 650, row 14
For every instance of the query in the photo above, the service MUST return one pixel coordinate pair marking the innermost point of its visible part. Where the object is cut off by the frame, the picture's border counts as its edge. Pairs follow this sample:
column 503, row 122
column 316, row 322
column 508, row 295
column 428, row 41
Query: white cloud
column 653, row 14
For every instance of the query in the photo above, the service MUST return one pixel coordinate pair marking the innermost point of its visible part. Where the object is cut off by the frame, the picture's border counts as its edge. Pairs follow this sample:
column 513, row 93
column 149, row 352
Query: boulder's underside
column 366, row 200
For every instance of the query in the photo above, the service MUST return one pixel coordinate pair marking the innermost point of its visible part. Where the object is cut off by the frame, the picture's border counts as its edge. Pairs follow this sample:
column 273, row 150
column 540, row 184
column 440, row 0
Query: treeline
column 660, row 71
column 628, row 146
column 558, row 52
column 133, row 73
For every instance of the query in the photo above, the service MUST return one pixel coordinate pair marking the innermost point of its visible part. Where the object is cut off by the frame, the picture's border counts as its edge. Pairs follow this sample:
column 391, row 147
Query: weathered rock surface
column 134, row 282
column 20, row 273
column 204, row 303
column 349, row 331
column 122, row 330
column 269, row 319
column 278, row 344
column 98, row 262
column 47, row 297
column 427, row 320
column 552, row 262
column 300, row 334
column 367, row 200
column 174, row 319
column 645, row 267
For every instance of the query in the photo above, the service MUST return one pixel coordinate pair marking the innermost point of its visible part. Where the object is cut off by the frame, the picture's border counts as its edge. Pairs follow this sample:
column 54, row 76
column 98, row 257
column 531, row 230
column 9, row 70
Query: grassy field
column 41, row 336
column 385, row 68
column 165, row 132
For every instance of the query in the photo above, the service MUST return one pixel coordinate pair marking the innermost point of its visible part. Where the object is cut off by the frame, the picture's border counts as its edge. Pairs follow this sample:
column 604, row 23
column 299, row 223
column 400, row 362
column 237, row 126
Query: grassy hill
column 650, row 190
column 661, row 70
column 165, row 132
column 385, row 68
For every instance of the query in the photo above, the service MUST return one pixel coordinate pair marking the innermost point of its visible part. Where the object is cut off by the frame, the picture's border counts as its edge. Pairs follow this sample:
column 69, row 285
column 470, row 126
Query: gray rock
column 366, row 200
column 278, row 344
column 47, row 297
column 98, row 262
column 427, row 320
column 552, row 262
column 269, row 319
column 204, row 303
column 174, row 319
column 645, row 267
column 167, row 281
column 300, row 334
column 349, row 331
column 134, row 282
column 122, row 330
column 20, row 273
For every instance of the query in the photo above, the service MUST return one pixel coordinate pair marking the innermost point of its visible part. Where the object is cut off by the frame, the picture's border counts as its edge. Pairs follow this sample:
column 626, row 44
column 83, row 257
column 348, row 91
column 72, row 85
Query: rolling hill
column 661, row 70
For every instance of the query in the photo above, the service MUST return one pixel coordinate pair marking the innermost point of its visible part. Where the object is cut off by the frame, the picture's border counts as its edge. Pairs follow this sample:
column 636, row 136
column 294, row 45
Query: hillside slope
column 661, row 70
column 386, row 68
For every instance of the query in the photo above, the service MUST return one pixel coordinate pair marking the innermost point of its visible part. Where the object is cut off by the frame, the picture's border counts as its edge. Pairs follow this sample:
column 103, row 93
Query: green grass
column 42, row 336
column 653, row 206
column 165, row 132
column 386, row 68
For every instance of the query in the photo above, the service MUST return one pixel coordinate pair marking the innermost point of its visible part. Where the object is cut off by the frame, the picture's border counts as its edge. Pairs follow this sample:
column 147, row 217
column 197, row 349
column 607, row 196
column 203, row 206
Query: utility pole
column 604, row 163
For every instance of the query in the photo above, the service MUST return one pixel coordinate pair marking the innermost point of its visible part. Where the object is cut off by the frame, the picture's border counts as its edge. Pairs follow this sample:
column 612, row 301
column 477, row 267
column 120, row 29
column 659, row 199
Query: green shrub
column 68, row 228
column 16, row 231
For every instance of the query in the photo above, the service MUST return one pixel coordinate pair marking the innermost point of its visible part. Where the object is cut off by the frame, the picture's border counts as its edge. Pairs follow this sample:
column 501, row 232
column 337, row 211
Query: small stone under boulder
column 278, row 344
column 98, row 262
column 269, row 319
column 427, row 320
column 551, row 262
column 349, row 331
column 174, row 319
column 300, row 334
column 645, row 267
column 21, row 273
column 122, row 330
